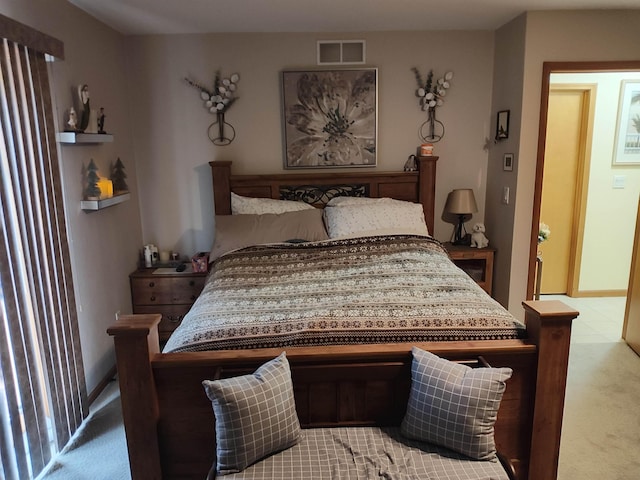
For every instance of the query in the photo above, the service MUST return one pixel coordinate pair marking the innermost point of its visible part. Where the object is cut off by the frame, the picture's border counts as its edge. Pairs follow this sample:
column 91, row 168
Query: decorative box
column 200, row 262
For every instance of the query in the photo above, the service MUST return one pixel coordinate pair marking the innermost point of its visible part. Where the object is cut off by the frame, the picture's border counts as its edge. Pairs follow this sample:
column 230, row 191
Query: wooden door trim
column 633, row 292
column 547, row 69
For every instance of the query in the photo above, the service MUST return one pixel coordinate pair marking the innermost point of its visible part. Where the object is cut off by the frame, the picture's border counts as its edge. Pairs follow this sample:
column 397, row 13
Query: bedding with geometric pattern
column 377, row 289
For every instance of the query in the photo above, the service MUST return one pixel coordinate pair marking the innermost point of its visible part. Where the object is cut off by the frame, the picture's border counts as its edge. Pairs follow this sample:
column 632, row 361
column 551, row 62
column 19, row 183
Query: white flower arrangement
column 544, row 232
column 431, row 94
column 222, row 96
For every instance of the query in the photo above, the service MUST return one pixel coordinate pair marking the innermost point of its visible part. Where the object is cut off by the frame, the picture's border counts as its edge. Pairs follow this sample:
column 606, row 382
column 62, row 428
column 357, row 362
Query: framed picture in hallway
column 626, row 149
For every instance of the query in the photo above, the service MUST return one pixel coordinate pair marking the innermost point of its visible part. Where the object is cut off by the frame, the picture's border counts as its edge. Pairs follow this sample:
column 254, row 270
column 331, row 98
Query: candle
column 426, row 149
column 106, row 188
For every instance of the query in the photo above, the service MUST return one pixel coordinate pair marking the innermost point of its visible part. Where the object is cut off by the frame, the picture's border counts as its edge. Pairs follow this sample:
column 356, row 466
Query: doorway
column 574, row 227
column 564, row 185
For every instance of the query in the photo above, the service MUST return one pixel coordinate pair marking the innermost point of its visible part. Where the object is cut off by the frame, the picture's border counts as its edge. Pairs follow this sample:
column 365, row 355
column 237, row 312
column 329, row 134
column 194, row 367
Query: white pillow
column 259, row 206
column 390, row 217
column 349, row 201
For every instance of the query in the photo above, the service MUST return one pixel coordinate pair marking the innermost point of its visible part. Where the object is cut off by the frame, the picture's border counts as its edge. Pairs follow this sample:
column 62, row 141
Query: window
column 42, row 389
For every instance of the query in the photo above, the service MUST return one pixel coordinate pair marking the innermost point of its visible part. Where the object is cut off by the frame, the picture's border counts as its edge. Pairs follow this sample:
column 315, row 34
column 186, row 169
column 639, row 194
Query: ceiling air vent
column 341, row 52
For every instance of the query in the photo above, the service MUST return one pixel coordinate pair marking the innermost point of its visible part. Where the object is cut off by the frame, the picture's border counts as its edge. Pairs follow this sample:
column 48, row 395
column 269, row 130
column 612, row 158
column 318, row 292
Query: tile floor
column 600, row 319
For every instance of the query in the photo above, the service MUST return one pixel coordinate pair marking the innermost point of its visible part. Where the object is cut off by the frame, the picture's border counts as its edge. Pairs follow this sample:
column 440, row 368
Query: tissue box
column 200, row 262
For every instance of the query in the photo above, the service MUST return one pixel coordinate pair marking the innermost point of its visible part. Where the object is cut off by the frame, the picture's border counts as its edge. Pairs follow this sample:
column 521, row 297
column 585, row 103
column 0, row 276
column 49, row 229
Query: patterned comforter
column 381, row 289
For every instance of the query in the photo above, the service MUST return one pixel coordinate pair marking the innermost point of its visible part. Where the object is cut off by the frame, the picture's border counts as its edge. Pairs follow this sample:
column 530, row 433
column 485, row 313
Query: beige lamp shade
column 461, row 202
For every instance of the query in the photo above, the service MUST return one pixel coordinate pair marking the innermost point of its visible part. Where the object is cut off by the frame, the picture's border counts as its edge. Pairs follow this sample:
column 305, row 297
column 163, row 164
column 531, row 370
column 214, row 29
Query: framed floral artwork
column 330, row 118
column 626, row 150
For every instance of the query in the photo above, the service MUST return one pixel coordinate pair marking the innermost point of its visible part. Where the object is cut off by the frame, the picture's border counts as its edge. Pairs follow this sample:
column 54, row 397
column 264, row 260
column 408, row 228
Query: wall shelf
column 95, row 205
column 74, row 138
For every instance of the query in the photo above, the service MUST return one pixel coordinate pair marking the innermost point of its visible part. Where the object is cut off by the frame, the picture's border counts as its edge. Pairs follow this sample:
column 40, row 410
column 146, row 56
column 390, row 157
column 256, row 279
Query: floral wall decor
column 217, row 101
column 431, row 94
column 330, row 118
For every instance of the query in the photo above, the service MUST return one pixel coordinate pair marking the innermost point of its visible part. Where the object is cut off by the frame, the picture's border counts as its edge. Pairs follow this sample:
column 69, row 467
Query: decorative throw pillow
column 258, row 206
column 389, row 217
column 255, row 415
column 453, row 405
column 238, row 231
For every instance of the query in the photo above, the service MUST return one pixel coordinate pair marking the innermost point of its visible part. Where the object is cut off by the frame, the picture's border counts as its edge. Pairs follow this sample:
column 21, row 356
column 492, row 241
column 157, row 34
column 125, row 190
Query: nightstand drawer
column 161, row 291
column 172, row 315
column 186, row 290
column 170, row 295
column 151, row 291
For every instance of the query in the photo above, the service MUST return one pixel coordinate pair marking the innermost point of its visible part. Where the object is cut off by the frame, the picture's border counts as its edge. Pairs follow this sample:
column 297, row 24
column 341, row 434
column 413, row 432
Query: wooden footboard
column 170, row 425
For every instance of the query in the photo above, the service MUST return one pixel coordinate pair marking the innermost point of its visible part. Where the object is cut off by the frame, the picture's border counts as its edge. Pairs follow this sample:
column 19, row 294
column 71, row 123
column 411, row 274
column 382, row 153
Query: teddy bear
column 478, row 238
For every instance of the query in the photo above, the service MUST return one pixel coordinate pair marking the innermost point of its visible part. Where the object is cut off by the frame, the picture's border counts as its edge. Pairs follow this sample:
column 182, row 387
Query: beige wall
column 508, row 71
column 104, row 245
column 610, row 213
column 170, row 124
column 550, row 36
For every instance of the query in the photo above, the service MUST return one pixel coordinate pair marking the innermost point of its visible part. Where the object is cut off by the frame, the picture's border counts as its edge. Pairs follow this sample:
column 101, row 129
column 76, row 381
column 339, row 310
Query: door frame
column 547, row 69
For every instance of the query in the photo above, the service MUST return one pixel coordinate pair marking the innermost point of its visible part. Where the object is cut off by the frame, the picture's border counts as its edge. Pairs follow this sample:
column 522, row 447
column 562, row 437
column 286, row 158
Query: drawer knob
column 175, row 319
column 193, row 297
column 192, row 283
column 153, row 298
column 152, row 284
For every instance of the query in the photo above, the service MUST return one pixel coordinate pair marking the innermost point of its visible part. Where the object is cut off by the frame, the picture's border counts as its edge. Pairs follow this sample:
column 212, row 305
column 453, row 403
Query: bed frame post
column 427, row 188
column 136, row 342
column 549, row 326
column 221, row 178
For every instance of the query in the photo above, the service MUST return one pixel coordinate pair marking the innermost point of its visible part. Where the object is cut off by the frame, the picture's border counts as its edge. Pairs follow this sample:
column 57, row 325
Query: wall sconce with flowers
column 217, row 101
column 432, row 95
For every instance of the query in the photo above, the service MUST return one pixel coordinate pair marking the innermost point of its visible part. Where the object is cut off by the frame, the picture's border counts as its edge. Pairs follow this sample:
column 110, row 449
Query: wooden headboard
column 418, row 186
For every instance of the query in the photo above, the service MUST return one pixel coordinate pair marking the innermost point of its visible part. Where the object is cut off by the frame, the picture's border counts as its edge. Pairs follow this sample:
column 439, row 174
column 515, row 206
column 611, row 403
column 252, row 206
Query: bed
column 169, row 421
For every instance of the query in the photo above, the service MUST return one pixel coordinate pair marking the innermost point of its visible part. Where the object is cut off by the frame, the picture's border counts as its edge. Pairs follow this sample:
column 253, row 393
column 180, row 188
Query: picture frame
column 507, row 162
column 330, row 118
column 502, row 125
column 626, row 148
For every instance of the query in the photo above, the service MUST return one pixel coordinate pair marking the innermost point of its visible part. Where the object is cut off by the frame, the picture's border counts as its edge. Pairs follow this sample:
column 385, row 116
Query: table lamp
column 461, row 202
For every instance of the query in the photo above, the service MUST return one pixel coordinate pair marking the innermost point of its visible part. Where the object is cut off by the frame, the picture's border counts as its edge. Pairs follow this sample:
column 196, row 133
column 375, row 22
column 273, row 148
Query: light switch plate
column 619, row 181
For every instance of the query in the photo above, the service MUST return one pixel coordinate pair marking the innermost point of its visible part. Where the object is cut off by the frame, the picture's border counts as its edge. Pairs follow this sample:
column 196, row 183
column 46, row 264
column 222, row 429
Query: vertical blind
column 43, row 396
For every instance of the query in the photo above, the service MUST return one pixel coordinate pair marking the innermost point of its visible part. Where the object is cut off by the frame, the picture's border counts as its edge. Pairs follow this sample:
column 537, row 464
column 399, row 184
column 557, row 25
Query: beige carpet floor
column 601, row 429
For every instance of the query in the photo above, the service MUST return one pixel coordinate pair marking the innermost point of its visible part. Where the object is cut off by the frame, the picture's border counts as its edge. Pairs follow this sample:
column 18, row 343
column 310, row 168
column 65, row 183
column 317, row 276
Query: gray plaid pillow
column 255, row 415
column 453, row 405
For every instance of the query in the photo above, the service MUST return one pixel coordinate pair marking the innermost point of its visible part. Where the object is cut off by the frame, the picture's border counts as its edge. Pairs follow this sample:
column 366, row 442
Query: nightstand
column 477, row 262
column 170, row 294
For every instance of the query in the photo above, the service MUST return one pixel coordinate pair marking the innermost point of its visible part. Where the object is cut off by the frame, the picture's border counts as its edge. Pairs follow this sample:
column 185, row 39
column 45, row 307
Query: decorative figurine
column 83, row 95
column 410, row 164
column 118, row 176
column 101, row 116
column 93, row 190
column 478, row 239
column 73, row 120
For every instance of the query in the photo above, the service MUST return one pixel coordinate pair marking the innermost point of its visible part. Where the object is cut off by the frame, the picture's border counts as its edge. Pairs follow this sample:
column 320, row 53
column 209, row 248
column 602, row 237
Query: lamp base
column 465, row 240
column 460, row 235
